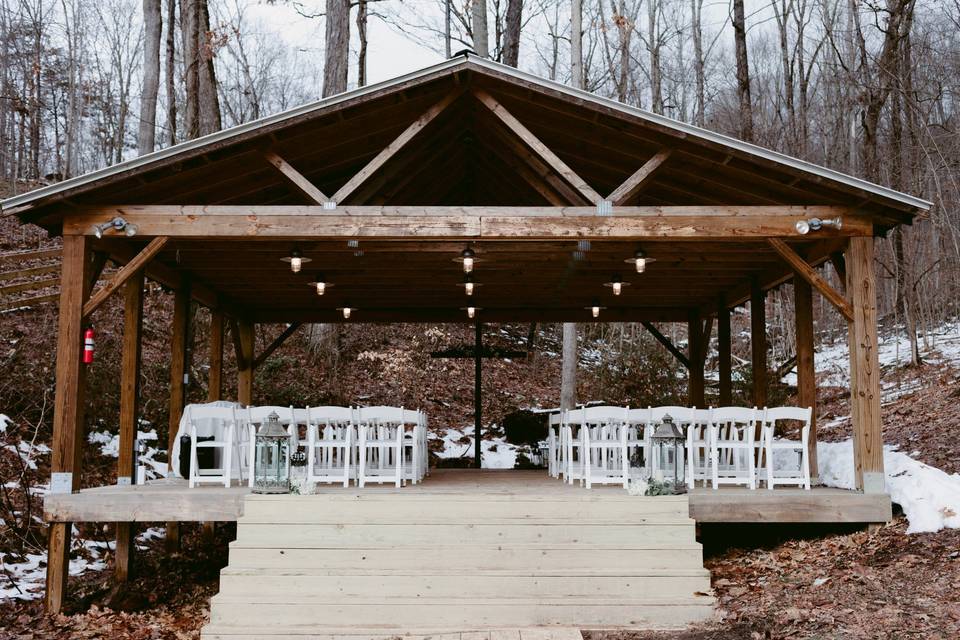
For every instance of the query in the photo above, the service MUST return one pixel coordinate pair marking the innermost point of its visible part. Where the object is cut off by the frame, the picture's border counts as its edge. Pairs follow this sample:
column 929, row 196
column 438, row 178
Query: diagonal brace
column 665, row 341
column 135, row 265
column 808, row 273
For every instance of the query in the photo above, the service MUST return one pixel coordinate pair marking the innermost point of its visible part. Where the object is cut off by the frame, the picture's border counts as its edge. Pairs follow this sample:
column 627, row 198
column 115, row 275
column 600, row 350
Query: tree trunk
column 743, row 71
column 576, row 44
column 653, row 42
column 362, row 33
column 568, row 367
column 171, row 86
column 152, row 31
column 337, row 54
column 696, row 13
column 511, row 36
column 189, row 26
column 209, row 108
column 479, row 27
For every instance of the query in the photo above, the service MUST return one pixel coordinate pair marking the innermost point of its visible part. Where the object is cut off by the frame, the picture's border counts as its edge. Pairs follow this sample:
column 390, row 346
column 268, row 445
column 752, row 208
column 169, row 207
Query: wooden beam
column 123, row 553
column 245, row 340
column 449, row 314
column 394, row 147
column 296, row 178
column 68, row 425
column 478, row 395
column 179, row 368
column 289, row 331
column 758, row 344
column 808, row 273
column 130, row 376
column 840, row 266
column 806, row 373
column 695, row 350
column 134, row 266
column 665, row 341
column 640, row 178
column 538, row 147
column 864, row 367
column 724, row 354
column 215, row 374
column 301, row 222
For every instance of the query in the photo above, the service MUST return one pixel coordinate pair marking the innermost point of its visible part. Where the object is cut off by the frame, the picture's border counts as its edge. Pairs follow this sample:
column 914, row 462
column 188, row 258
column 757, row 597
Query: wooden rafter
column 640, row 178
column 539, row 148
column 808, row 273
column 394, row 147
column 665, row 341
column 296, row 178
column 125, row 273
column 278, row 341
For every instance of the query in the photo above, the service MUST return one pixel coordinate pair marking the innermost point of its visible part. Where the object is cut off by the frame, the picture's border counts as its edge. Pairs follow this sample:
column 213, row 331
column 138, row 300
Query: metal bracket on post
column 61, row 482
column 874, row 482
column 604, row 208
column 329, row 205
column 123, row 481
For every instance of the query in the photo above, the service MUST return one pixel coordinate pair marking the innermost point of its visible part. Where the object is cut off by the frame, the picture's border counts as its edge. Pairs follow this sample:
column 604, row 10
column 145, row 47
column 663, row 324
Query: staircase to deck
column 454, row 558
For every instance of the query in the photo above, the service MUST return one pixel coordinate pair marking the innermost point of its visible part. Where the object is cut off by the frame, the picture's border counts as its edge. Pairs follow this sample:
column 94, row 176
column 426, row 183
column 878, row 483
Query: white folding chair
column 797, row 474
column 222, row 441
column 330, row 438
column 639, row 449
column 554, row 448
column 733, row 446
column 413, row 435
column 574, row 439
column 380, row 445
column 698, row 447
column 605, row 446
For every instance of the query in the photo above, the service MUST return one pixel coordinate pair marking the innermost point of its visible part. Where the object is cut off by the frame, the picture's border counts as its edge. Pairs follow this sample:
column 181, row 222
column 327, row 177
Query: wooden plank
column 408, row 313
column 278, row 341
column 134, row 266
column 758, row 344
column 28, row 302
column 864, row 367
column 215, row 376
column 58, row 565
column 538, row 147
column 788, row 505
column 695, row 350
column 146, row 503
column 30, row 286
column 806, row 373
column 123, row 553
column 724, row 354
column 394, row 147
column 808, row 273
column 304, row 186
column 16, row 274
column 130, row 376
column 640, row 178
column 245, row 338
column 665, row 341
column 24, row 256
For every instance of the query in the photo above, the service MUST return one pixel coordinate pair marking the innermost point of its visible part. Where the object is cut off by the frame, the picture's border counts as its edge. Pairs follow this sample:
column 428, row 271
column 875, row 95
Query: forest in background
column 865, row 87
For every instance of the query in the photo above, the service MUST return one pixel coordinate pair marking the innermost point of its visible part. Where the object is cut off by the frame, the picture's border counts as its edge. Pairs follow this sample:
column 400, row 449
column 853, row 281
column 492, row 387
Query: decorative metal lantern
column 668, row 456
column 272, row 457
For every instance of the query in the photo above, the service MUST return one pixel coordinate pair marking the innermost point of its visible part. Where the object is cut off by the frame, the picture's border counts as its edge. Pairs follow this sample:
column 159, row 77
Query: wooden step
column 313, row 536
column 321, row 588
column 527, row 633
column 632, row 555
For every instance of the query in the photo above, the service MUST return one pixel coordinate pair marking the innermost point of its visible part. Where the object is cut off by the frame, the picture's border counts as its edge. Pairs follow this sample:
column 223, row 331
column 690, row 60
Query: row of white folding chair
column 223, row 441
column 598, row 452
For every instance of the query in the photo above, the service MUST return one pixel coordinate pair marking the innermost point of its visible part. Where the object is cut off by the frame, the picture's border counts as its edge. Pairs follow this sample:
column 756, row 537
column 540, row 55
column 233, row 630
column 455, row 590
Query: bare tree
column 480, row 28
column 337, row 47
column 743, row 71
column 511, row 34
column 152, row 31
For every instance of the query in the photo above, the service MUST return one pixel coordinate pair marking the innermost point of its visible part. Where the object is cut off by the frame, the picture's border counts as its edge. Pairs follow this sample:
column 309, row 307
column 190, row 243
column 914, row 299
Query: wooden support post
column 130, row 376
column 724, row 354
column 478, row 396
column 758, row 343
column 864, row 367
column 123, row 555
column 806, row 376
column 245, row 339
column 695, row 352
column 179, row 368
column 215, row 378
column 68, row 407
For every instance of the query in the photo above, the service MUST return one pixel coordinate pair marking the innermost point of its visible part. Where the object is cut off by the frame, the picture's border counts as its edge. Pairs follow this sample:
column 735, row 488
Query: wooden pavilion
column 554, row 189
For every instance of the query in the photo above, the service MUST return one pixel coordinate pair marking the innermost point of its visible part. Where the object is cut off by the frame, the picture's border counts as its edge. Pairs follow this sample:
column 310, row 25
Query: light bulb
column 471, row 312
column 641, row 265
column 803, row 227
column 97, row 231
column 130, row 230
column 617, row 288
column 595, row 311
column 296, row 263
column 346, row 313
column 467, row 264
column 321, row 288
column 468, row 286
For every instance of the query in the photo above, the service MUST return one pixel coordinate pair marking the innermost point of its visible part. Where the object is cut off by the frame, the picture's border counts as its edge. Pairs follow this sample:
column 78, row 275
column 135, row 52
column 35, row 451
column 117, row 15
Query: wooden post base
column 172, row 540
column 58, row 565
column 124, row 553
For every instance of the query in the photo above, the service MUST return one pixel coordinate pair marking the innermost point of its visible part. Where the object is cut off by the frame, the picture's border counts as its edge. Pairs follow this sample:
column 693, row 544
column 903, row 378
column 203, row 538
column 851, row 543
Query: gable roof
column 329, row 140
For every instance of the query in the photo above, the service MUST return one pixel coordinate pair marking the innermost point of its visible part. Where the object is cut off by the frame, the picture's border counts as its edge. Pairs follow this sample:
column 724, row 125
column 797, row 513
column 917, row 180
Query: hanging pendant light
column 346, row 311
column 321, row 284
column 617, row 284
column 296, row 260
column 595, row 309
column 471, row 311
column 468, row 258
column 469, row 285
column 640, row 260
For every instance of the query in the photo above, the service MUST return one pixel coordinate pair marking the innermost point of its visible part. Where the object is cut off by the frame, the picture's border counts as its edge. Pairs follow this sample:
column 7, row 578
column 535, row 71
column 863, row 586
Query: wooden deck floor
column 172, row 500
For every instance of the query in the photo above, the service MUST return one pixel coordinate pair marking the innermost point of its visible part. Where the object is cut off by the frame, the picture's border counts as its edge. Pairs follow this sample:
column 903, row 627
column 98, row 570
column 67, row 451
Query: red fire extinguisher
column 88, row 346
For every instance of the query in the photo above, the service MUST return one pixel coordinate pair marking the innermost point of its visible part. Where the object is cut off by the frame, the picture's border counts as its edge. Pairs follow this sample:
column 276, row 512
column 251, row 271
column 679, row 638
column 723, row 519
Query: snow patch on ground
column 110, row 446
column 496, row 453
column 4, row 422
column 26, row 580
column 929, row 497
